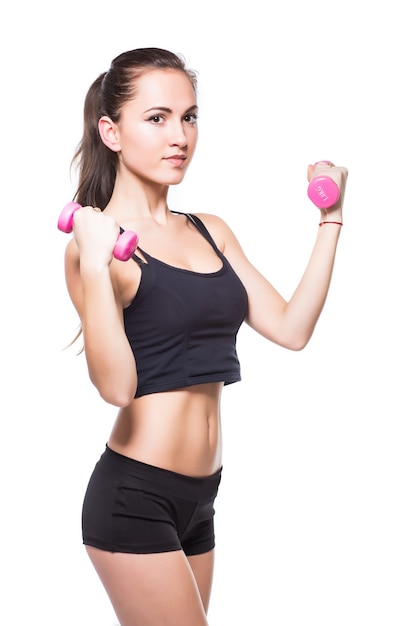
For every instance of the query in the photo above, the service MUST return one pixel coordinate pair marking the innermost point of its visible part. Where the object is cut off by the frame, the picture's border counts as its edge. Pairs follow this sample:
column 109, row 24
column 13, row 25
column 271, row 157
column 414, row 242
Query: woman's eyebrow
column 190, row 109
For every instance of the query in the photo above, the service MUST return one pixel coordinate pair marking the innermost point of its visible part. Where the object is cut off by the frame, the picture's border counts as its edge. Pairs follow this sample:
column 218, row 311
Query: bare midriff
column 176, row 430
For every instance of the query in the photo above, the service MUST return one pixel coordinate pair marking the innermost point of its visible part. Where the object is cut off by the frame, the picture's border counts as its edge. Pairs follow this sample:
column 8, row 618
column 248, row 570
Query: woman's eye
column 191, row 118
column 156, row 119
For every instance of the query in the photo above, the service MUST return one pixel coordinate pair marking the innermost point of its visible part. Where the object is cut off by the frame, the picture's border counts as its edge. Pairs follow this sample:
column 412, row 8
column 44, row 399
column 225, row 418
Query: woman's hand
column 339, row 175
column 95, row 235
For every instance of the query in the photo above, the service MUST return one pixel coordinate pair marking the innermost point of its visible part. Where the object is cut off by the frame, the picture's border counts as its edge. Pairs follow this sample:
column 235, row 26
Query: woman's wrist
column 330, row 222
column 331, row 217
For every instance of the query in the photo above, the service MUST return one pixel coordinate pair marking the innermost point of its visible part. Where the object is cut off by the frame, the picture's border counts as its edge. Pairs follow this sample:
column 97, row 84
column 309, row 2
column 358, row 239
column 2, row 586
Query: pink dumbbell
column 323, row 191
column 126, row 242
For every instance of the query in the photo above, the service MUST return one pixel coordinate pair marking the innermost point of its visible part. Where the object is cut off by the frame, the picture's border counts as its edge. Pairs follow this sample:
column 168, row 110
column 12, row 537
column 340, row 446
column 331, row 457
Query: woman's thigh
column 155, row 589
column 203, row 566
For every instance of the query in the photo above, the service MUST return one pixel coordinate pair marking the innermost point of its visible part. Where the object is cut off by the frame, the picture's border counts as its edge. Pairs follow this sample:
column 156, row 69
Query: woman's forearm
column 304, row 307
column 110, row 360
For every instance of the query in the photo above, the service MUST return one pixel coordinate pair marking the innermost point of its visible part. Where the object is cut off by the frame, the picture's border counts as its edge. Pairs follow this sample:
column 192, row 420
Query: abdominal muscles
column 177, row 430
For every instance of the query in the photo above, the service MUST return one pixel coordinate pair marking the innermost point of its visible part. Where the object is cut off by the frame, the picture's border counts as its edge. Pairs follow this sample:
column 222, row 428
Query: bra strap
column 202, row 229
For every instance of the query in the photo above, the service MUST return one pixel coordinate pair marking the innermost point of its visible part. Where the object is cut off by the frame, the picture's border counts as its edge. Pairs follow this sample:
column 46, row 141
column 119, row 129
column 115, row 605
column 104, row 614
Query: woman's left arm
column 289, row 323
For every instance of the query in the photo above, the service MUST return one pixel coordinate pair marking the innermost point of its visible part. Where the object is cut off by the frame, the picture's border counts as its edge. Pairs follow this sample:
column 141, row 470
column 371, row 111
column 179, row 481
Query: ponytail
column 97, row 164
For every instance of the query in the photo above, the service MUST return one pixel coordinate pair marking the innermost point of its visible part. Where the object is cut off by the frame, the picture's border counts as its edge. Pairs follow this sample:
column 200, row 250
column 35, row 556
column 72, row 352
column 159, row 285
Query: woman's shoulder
column 209, row 218
column 219, row 229
column 216, row 226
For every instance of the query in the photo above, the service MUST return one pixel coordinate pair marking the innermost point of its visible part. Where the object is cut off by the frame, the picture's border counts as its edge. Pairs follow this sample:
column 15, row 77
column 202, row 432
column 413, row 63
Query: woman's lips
column 176, row 161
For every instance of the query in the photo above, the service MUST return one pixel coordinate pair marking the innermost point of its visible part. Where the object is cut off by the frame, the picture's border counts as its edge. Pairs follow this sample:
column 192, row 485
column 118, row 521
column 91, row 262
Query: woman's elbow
column 117, row 399
column 297, row 346
column 119, row 395
column 296, row 342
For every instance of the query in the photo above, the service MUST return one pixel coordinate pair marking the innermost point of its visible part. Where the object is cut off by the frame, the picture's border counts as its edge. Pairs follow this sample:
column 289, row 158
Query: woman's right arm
column 92, row 285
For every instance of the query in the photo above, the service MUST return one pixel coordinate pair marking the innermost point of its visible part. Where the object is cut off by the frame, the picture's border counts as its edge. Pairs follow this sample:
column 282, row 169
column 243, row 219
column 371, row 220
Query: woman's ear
column 108, row 133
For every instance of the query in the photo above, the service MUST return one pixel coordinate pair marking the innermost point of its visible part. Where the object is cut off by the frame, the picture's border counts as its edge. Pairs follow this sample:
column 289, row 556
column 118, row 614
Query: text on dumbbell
column 321, row 192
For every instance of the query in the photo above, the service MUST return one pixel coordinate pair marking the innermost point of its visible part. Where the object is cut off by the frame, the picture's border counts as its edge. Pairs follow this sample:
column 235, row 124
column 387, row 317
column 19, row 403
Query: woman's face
column 157, row 131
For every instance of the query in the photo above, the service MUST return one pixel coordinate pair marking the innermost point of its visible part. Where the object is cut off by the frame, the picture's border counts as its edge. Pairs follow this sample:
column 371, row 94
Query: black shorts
column 134, row 507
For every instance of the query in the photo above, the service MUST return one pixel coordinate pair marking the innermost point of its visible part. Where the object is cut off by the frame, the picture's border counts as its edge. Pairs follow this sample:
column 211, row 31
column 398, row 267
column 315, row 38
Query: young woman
column 159, row 334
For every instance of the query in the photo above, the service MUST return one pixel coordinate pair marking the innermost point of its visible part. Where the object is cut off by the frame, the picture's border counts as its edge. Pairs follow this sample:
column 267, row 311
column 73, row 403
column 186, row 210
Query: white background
column 317, row 515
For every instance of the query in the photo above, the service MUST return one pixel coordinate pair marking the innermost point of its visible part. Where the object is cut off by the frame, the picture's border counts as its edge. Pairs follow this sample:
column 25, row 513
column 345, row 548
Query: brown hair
column 97, row 164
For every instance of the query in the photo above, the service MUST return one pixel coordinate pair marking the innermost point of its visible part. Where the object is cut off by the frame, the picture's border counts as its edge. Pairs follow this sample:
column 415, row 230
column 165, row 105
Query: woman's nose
column 177, row 135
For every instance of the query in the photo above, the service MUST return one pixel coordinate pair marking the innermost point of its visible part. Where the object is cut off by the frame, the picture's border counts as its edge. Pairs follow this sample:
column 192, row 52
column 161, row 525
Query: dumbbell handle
column 323, row 191
column 126, row 242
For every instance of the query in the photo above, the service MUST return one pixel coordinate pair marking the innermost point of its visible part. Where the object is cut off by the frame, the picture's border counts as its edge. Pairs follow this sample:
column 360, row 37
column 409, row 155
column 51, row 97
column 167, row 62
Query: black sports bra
column 182, row 325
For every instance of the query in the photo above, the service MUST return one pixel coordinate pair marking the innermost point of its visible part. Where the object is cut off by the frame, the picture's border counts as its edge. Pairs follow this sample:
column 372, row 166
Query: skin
column 178, row 430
